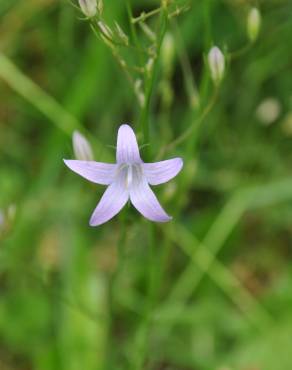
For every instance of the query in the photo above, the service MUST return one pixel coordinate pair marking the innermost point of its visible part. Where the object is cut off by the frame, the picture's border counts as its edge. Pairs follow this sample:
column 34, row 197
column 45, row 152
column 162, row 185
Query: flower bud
column 167, row 52
column 216, row 63
column 139, row 92
column 88, row 7
column 253, row 24
column 81, row 147
column 105, row 30
column 100, row 6
column 268, row 111
column 149, row 65
column 121, row 34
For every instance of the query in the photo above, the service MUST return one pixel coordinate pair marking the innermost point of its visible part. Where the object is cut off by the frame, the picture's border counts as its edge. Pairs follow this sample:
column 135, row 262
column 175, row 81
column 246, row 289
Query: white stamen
column 129, row 177
column 129, row 173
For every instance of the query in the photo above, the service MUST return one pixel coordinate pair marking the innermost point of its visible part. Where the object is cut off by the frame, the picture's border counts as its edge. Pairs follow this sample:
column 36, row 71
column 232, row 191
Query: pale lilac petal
column 81, row 147
column 145, row 201
column 112, row 201
column 160, row 172
column 127, row 147
column 97, row 172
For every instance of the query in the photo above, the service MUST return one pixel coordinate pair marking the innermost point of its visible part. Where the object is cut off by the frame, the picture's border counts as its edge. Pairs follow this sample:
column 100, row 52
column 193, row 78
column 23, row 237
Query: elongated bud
column 149, row 65
column 216, row 63
column 139, row 92
column 105, row 30
column 253, row 24
column 88, row 7
column 167, row 52
column 121, row 34
column 100, row 6
column 81, row 147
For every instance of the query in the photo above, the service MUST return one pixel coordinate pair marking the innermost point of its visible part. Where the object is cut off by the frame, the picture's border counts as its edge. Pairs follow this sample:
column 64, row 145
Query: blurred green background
column 211, row 290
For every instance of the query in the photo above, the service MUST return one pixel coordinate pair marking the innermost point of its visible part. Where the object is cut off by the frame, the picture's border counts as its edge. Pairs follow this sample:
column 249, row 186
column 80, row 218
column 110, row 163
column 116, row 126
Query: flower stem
column 150, row 78
column 189, row 80
column 193, row 128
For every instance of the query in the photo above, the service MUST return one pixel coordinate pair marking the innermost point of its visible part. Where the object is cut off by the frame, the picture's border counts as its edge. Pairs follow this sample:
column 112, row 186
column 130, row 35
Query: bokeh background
column 211, row 290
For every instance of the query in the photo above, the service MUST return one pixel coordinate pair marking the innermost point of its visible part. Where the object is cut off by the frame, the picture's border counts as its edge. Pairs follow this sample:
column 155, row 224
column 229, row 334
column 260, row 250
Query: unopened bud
column 121, row 34
column 139, row 92
column 149, row 65
column 81, row 147
column 216, row 62
column 268, row 111
column 148, row 31
column 105, row 30
column 88, row 7
column 253, row 24
column 167, row 52
column 100, row 6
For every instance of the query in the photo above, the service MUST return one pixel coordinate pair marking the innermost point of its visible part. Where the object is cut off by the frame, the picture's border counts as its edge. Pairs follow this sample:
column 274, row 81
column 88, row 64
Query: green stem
column 143, row 16
column 149, row 80
column 134, row 33
column 193, row 128
column 238, row 53
column 31, row 92
column 189, row 81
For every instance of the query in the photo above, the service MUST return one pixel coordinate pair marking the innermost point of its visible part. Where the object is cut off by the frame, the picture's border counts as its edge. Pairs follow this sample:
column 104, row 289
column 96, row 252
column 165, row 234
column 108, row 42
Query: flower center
column 129, row 176
column 129, row 173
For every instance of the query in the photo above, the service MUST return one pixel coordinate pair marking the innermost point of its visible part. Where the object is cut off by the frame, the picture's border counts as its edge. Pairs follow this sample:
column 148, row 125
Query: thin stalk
column 189, row 81
column 116, row 56
column 200, row 258
column 238, row 53
column 144, row 118
column 31, row 92
column 139, row 352
column 134, row 33
column 204, row 254
column 193, row 128
column 143, row 16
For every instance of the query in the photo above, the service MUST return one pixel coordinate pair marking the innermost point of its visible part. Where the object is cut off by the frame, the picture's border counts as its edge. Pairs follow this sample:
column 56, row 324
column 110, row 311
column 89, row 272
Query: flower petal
column 145, row 201
column 97, row 172
column 160, row 172
column 112, row 201
column 127, row 147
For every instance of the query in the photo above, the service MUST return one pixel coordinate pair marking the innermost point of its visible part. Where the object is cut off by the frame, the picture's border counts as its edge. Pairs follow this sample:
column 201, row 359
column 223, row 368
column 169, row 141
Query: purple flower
column 128, row 179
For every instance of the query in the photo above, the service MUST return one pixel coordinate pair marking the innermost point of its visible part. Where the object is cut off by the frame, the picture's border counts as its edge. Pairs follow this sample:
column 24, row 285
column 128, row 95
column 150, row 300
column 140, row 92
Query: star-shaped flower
column 128, row 179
